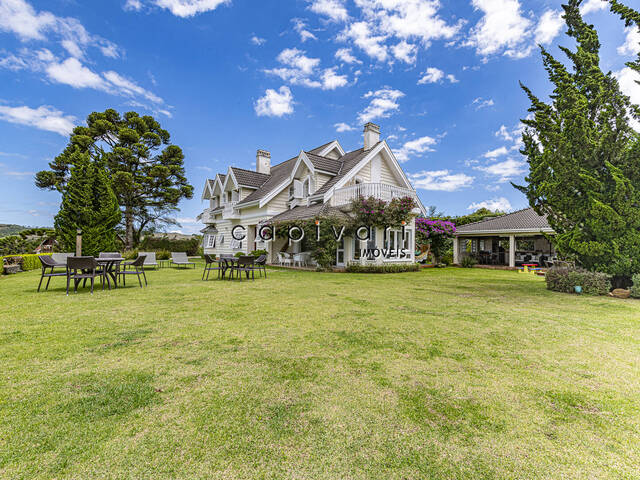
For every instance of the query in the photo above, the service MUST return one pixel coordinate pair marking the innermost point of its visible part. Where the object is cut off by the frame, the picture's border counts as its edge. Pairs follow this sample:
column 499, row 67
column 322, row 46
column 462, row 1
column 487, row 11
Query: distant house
column 318, row 182
column 509, row 240
column 173, row 236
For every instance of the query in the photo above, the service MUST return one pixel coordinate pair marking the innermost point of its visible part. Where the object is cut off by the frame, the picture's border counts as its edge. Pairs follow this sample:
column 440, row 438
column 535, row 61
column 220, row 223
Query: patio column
column 512, row 250
column 456, row 251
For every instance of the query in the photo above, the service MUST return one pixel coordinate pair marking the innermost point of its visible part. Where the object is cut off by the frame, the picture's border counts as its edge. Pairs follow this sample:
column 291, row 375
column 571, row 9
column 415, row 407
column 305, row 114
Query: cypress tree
column 90, row 205
column 584, row 157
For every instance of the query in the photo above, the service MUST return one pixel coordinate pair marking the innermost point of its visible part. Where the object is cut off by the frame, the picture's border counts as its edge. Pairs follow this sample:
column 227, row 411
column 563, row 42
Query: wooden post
column 512, row 251
column 79, row 243
column 456, row 251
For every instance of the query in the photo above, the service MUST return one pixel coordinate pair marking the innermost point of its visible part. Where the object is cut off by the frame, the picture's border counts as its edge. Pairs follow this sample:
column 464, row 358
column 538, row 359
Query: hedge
column 562, row 279
column 29, row 260
column 191, row 246
column 386, row 268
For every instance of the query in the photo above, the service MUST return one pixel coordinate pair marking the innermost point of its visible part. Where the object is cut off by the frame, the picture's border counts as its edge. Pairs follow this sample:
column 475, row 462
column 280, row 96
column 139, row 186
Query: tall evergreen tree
column 148, row 182
column 584, row 157
column 88, row 204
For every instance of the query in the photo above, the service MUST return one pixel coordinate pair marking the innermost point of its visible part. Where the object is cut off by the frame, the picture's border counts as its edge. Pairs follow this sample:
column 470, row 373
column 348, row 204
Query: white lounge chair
column 180, row 258
column 150, row 261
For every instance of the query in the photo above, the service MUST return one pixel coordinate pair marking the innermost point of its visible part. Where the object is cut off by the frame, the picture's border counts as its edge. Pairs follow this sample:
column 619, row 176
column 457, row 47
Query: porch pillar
column 456, row 251
column 512, row 251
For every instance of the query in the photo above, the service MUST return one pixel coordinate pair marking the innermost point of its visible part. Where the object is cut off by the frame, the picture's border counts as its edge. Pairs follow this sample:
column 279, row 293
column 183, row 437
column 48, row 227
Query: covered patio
column 510, row 240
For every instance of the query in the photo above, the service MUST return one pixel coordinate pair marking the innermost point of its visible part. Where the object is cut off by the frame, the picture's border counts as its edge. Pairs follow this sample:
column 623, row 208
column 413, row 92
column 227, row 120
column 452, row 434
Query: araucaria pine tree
column 584, row 156
column 90, row 205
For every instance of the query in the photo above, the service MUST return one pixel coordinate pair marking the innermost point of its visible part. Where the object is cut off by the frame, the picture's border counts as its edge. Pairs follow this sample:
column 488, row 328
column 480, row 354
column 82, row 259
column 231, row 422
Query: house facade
column 316, row 183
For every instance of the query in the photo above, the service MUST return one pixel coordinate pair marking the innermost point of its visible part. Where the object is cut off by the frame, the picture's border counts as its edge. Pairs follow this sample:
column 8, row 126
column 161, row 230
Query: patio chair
column 60, row 259
column 138, row 269
column 261, row 265
column 150, row 260
column 180, row 258
column 284, row 258
column 47, row 263
column 209, row 261
column 245, row 265
column 109, row 255
column 83, row 268
column 227, row 265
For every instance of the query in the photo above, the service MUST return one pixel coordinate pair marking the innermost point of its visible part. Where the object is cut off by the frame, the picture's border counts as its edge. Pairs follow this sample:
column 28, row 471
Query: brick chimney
column 263, row 162
column 371, row 135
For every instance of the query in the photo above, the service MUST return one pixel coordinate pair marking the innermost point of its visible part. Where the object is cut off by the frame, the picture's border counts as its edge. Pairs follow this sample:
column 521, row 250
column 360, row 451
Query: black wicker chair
column 48, row 263
column 246, row 265
column 261, row 265
column 209, row 262
column 228, row 266
column 82, row 269
column 137, row 269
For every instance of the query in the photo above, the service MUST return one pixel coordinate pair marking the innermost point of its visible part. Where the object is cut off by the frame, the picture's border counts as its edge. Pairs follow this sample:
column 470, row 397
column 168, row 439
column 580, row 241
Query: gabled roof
column 319, row 149
column 249, row 178
column 348, row 161
column 279, row 173
column 323, row 163
column 307, row 213
column 526, row 220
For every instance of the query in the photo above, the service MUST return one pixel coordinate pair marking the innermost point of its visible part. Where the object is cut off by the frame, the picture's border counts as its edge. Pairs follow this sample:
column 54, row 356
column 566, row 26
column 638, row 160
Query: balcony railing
column 229, row 210
column 381, row 191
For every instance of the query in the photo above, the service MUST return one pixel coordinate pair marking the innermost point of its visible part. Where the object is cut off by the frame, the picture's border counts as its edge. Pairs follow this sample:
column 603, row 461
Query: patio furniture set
column 302, row 259
column 107, row 267
column 230, row 267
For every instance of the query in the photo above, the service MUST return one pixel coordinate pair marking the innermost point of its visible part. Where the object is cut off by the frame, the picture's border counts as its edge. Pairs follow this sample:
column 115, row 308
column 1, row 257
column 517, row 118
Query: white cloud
column 593, row 6
column 405, row 52
column 505, row 170
column 331, row 80
column 275, row 103
column 257, row 40
column 72, row 72
column 44, row 118
column 628, row 80
column 452, row 78
column 20, row 18
column 135, row 5
column 504, row 133
column 301, row 27
column 500, row 204
column 440, row 180
column 431, row 75
column 334, row 9
column 549, row 26
column 189, row 8
column 383, row 103
column 631, row 45
column 413, row 147
column 343, row 127
column 346, row 56
column 483, row 103
column 502, row 29
column 498, row 152
column 302, row 70
column 361, row 33
column 128, row 87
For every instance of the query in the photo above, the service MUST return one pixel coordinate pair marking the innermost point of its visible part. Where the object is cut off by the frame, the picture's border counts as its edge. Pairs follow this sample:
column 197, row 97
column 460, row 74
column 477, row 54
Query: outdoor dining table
column 111, row 267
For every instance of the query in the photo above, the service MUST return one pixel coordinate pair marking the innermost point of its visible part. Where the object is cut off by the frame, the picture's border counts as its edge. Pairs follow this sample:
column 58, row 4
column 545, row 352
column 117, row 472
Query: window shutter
column 297, row 189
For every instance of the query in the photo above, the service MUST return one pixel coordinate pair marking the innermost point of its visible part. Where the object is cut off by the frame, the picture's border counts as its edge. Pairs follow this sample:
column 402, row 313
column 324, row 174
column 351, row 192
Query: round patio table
column 111, row 268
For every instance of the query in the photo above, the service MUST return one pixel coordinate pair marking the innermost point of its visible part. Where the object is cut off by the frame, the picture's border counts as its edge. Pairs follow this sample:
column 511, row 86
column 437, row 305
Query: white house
column 315, row 183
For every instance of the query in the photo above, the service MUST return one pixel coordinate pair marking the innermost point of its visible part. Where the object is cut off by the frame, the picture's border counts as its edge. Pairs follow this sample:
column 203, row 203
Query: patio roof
column 522, row 221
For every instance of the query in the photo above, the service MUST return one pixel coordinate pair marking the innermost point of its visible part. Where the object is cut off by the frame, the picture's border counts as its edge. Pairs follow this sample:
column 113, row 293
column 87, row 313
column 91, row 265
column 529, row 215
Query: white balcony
column 381, row 191
column 229, row 211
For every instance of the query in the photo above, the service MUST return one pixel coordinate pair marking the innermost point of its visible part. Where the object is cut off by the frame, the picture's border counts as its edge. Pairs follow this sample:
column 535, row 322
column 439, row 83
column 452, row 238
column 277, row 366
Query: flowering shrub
column 376, row 212
column 434, row 233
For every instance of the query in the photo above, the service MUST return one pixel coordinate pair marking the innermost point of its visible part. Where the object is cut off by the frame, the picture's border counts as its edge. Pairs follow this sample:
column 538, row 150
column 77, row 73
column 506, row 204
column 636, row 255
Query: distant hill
column 10, row 229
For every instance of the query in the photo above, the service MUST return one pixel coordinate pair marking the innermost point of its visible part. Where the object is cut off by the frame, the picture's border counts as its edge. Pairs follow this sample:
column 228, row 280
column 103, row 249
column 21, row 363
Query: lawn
column 448, row 373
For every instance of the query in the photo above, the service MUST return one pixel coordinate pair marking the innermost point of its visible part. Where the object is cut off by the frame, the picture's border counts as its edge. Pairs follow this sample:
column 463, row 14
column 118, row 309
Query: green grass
column 453, row 373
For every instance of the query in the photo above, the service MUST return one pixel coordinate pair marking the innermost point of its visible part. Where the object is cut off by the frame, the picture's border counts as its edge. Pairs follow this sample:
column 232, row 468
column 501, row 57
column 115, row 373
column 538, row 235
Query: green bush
column 447, row 258
column 385, row 268
column 163, row 255
column 468, row 262
column 562, row 279
column 29, row 261
column 130, row 255
column 635, row 289
column 191, row 246
column 257, row 253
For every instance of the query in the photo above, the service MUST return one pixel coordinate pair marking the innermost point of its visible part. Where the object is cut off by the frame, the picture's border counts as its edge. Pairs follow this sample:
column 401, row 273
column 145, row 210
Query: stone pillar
column 512, row 251
column 456, row 251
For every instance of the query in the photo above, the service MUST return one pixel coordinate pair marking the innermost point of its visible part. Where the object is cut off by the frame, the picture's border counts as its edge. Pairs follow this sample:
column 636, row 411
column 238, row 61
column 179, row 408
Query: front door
column 340, row 253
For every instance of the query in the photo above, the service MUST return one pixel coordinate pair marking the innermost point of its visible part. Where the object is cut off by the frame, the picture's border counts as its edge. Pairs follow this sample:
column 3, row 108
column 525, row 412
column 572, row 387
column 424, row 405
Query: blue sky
column 229, row 77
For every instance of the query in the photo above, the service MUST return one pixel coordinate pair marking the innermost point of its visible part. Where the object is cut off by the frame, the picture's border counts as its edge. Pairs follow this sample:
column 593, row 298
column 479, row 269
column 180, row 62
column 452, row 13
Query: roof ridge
column 499, row 216
column 250, row 171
